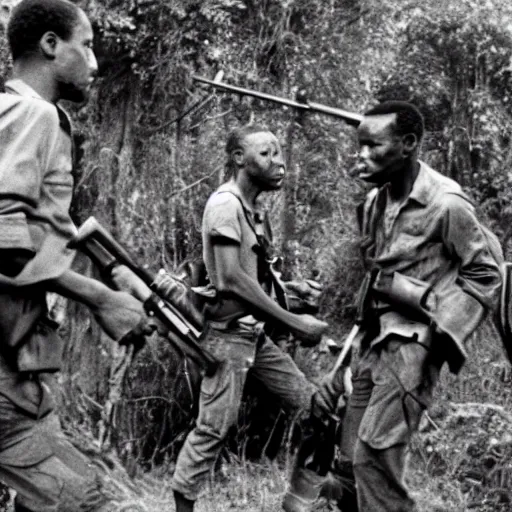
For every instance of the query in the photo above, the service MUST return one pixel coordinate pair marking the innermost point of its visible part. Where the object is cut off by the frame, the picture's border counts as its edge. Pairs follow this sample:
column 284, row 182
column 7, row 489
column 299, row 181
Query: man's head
column 256, row 151
column 389, row 139
column 58, row 34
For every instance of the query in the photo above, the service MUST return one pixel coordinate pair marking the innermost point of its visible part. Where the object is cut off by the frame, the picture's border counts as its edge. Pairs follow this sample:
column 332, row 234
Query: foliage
column 151, row 150
column 455, row 64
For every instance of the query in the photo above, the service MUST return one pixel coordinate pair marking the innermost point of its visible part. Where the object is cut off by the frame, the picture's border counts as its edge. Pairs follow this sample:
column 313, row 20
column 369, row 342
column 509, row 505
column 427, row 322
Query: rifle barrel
column 254, row 94
column 349, row 117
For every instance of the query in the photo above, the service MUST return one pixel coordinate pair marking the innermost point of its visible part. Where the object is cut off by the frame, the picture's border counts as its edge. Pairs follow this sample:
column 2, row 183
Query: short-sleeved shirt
column 226, row 217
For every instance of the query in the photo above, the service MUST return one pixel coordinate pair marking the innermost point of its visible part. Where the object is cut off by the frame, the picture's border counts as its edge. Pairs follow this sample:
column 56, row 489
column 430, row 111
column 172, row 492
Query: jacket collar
column 423, row 186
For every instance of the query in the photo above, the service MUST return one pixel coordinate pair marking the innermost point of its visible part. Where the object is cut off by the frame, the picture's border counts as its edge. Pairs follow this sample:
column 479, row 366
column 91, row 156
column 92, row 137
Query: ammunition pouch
column 30, row 342
column 189, row 301
column 303, row 296
column 413, row 298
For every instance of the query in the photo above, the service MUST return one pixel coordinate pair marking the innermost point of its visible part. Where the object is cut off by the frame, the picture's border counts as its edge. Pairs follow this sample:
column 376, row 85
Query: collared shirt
column 35, row 194
column 435, row 237
column 35, row 182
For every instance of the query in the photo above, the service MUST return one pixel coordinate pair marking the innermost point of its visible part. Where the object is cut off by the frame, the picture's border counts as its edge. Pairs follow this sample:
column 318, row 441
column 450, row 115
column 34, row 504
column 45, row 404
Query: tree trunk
column 289, row 212
column 461, row 166
column 90, row 354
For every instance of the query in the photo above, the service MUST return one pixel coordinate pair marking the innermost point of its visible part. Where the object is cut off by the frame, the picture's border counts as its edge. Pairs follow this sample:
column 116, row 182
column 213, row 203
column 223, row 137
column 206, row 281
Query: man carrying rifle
column 433, row 274
column 51, row 44
column 235, row 250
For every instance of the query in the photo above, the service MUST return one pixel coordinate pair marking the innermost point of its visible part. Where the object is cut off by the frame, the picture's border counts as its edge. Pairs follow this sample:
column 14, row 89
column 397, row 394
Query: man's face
column 264, row 161
column 75, row 62
column 381, row 154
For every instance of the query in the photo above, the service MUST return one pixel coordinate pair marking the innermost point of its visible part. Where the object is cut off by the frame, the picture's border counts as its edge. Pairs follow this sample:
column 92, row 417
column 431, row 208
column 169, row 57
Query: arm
column 29, row 131
column 232, row 279
column 463, row 304
column 118, row 313
column 463, row 236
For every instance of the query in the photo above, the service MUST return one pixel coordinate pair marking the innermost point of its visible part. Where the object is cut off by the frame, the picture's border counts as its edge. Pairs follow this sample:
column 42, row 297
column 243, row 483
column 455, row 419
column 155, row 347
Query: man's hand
column 119, row 315
column 308, row 330
column 127, row 281
column 332, row 387
column 303, row 296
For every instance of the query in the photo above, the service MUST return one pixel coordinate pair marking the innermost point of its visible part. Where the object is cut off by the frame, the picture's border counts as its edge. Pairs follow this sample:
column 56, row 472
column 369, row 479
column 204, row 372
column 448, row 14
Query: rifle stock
column 95, row 241
column 350, row 118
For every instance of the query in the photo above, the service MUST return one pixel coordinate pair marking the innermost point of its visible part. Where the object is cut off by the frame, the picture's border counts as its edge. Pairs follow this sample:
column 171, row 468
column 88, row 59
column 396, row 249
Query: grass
column 446, row 456
column 460, row 461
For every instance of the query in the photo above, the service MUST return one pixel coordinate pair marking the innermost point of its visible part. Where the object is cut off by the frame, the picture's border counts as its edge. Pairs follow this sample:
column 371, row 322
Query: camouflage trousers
column 221, row 396
column 47, row 472
column 392, row 386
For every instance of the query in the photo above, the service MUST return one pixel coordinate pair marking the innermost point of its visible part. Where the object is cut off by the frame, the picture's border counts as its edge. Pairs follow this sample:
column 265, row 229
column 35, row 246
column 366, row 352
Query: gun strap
column 277, row 287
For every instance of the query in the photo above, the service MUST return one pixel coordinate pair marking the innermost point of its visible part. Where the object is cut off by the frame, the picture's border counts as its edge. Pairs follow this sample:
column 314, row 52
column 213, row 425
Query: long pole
column 350, row 118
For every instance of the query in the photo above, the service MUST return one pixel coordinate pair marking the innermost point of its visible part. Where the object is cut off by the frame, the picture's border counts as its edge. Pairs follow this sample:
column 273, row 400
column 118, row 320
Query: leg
column 343, row 486
column 403, row 381
column 279, row 373
column 219, row 403
column 47, row 471
column 379, row 477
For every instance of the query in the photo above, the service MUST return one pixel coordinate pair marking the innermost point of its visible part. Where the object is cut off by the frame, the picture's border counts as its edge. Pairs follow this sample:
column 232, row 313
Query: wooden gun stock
column 95, row 241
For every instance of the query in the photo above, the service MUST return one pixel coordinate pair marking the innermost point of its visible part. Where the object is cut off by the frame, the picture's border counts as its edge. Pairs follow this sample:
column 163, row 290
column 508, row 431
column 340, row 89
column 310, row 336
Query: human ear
column 238, row 157
column 48, row 44
column 410, row 143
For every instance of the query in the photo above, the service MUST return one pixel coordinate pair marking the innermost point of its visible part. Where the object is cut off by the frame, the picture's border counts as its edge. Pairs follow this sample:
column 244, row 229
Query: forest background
column 150, row 149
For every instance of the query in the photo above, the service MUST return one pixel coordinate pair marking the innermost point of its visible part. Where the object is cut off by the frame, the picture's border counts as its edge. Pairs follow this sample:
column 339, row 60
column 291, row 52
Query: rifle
column 301, row 103
column 95, row 241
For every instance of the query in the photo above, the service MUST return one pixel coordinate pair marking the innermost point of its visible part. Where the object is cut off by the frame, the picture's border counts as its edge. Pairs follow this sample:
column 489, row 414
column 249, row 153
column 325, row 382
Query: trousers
column 393, row 384
column 48, row 473
column 220, row 399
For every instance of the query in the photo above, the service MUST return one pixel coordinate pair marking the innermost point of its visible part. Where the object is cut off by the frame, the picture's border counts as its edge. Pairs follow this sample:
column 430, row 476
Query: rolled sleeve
column 29, row 131
column 464, row 237
column 221, row 218
column 465, row 298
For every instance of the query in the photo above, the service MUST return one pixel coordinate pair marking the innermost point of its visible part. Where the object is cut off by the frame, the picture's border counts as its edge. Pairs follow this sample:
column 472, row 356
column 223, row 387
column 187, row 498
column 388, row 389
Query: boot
column 340, row 486
column 304, row 491
column 183, row 504
column 341, row 490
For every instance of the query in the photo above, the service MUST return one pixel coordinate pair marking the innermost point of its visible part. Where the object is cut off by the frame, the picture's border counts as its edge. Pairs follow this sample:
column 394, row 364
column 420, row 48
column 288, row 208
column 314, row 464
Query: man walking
column 433, row 274
column 51, row 45
column 235, row 251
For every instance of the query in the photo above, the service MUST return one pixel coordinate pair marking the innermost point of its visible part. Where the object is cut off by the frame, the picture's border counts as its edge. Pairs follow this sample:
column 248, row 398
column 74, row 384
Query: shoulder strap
column 262, row 258
column 249, row 219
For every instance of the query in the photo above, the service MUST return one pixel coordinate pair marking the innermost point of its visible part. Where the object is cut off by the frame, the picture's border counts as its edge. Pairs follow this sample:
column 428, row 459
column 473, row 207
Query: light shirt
column 36, row 182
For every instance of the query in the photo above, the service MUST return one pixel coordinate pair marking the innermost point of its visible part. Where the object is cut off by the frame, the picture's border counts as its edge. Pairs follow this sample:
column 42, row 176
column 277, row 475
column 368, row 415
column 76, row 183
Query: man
column 432, row 276
column 51, row 44
column 235, row 255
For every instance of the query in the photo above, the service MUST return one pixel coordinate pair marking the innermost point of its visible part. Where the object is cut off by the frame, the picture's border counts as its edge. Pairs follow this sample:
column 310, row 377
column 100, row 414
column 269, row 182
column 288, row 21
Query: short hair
column 235, row 141
column 31, row 19
column 408, row 118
